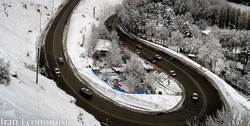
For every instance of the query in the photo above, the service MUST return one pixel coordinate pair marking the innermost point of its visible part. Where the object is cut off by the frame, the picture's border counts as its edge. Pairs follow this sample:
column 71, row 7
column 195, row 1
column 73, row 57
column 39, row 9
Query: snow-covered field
column 232, row 97
column 80, row 24
column 23, row 98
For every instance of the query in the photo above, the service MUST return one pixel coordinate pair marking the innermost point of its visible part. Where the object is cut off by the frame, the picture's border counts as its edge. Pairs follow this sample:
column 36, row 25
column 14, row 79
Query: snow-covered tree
column 176, row 38
column 114, row 57
column 149, row 81
column 4, row 72
column 127, row 54
column 114, row 36
column 92, row 41
column 209, row 51
column 224, row 117
column 135, row 67
column 134, row 73
column 228, row 117
column 191, row 45
column 103, row 32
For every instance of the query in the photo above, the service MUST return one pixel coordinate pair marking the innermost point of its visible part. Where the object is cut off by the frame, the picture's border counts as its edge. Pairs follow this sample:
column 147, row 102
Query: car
column 195, row 97
column 172, row 73
column 191, row 56
column 60, row 60
column 172, row 57
column 120, row 43
column 152, row 60
column 157, row 57
column 137, row 51
column 57, row 71
column 138, row 46
column 87, row 92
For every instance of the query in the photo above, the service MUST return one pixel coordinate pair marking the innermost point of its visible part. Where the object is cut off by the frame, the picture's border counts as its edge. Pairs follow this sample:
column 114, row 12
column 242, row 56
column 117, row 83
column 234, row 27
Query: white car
column 157, row 57
column 57, row 71
column 137, row 51
column 195, row 97
column 172, row 73
column 120, row 43
column 87, row 92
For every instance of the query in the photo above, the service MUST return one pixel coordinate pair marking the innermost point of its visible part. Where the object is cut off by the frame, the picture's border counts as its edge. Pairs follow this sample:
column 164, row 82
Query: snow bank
column 232, row 97
column 80, row 25
column 23, row 98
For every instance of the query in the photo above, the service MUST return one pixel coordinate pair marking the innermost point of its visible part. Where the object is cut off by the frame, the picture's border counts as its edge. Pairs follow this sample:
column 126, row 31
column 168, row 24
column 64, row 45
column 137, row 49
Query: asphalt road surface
column 106, row 111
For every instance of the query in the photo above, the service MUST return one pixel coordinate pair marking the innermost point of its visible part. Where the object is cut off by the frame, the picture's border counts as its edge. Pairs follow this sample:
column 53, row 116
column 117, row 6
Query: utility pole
column 37, row 62
column 40, row 30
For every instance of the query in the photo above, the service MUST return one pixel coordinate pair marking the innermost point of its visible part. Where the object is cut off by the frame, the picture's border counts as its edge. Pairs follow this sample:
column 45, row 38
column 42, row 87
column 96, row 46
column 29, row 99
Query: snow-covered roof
column 102, row 45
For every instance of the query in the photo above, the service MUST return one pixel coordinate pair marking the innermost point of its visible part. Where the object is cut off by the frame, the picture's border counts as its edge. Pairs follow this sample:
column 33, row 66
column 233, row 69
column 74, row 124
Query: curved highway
column 106, row 111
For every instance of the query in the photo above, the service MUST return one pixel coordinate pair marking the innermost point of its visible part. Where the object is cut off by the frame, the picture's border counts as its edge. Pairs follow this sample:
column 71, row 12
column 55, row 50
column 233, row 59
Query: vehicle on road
column 60, row 60
column 57, row 71
column 158, row 57
column 152, row 60
column 138, row 46
column 120, row 43
column 172, row 73
column 195, row 97
column 86, row 92
column 137, row 51
column 191, row 56
column 172, row 57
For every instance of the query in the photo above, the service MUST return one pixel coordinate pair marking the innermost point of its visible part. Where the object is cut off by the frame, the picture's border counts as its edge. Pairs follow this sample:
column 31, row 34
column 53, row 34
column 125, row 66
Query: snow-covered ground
column 23, row 98
column 232, row 97
column 80, row 24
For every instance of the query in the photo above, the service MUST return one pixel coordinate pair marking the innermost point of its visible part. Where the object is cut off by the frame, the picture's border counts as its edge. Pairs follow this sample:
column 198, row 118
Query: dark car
column 60, row 60
column 172, row 57
column 152, row 60
column 57, row 71
column 86, row 92
column 195, row 97
column 138, row 46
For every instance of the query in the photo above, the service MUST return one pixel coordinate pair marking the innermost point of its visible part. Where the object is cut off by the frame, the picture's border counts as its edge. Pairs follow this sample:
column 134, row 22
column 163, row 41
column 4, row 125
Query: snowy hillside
column 20, row 22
